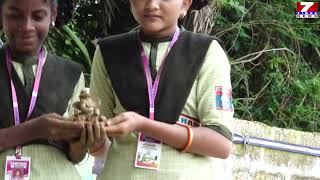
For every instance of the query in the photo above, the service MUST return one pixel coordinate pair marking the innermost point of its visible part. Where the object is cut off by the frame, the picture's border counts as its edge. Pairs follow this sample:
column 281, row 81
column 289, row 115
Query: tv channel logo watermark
column 307, row 10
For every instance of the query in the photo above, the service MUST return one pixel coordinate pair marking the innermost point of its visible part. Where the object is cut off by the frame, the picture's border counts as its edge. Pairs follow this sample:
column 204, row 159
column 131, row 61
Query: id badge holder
column 17, row 168
column 148, row 153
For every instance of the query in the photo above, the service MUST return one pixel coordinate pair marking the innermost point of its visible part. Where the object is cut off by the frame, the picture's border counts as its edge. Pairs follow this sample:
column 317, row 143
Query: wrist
column 143, row 124
column 76, row 152
column 76, row 146
column 188, row 144
column 95, row 151
column 33, row 129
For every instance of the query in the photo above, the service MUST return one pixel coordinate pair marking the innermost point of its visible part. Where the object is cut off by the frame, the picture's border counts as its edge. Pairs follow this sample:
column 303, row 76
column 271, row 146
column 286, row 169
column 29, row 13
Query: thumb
column 114, row 121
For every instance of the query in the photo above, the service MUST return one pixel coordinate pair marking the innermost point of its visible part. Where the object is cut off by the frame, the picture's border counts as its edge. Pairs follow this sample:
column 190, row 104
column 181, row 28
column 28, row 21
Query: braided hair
column 198, row 4
column 65, row 9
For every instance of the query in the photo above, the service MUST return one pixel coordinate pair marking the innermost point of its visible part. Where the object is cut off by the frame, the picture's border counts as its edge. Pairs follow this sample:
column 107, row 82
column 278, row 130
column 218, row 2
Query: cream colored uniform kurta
column 47, row 162
column 202, row 105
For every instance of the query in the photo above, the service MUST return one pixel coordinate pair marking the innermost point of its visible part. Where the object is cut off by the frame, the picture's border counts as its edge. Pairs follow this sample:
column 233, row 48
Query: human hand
column 124, row 123
column 93, row 135
column 54, row 127
column 93, row 138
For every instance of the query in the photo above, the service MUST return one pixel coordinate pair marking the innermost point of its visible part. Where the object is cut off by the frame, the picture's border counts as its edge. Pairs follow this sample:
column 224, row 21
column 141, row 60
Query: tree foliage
column 275, row 62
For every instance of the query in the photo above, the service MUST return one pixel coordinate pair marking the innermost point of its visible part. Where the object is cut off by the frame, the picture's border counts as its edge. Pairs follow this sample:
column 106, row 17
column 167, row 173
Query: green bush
column 275, row 62
column 75, row 41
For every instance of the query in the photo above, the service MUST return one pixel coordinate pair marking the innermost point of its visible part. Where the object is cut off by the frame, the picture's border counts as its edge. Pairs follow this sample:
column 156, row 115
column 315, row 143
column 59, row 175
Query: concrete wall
column 256, row 163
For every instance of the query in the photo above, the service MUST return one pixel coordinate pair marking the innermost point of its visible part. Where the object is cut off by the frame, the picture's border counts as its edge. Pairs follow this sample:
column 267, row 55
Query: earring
column 53, row 24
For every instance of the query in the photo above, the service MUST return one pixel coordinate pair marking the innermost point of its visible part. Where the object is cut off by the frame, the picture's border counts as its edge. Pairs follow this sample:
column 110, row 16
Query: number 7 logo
column 307, row 10
column 307, row 6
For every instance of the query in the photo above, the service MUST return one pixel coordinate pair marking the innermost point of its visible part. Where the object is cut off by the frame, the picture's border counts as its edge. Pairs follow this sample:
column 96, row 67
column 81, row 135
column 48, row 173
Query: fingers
column 122, row 124
column 70, row 125
column 54, row 115
column 83, row 137
column 116, row 120
column 95, row 134
column 97, row 131
column 103, row 132
column 90, row 135
column 55, row 120
column 111, row 129
column 116, row 130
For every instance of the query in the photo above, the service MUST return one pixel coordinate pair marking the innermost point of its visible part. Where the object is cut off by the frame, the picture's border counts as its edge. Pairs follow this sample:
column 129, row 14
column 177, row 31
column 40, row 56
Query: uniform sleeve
column 75, row 96
column 100, row 85
column 214, row 94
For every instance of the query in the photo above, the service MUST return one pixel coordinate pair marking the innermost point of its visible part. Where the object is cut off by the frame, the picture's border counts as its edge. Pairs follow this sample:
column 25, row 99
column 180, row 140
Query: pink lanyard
column 34, row 92
column 153, row 86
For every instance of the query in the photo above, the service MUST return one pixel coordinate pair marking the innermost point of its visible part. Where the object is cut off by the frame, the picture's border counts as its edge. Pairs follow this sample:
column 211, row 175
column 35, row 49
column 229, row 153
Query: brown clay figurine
column 87, row 109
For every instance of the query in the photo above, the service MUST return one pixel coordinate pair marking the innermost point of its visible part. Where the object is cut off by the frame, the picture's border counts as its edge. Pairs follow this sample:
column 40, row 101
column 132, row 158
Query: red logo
column 307, row 10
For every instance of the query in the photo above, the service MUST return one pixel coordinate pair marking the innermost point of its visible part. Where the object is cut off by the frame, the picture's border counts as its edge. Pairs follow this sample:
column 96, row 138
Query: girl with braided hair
column 168, row 97
column 37, row 93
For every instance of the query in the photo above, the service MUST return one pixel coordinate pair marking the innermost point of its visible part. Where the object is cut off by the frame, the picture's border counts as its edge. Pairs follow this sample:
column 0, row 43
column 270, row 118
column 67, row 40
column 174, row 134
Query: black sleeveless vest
column 58, row 80
column 122, row 59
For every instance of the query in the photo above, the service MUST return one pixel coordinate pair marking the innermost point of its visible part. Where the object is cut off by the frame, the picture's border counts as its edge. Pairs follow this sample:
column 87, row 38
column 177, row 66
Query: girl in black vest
column 167, row 93
column 37, row 90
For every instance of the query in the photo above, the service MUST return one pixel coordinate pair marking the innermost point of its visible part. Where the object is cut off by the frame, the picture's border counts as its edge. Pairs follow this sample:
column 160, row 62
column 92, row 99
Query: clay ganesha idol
column 87, row 109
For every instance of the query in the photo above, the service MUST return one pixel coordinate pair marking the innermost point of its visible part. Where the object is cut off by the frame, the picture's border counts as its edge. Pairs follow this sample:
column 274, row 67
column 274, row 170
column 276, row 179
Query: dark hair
column 65, row 10
column 198, row 4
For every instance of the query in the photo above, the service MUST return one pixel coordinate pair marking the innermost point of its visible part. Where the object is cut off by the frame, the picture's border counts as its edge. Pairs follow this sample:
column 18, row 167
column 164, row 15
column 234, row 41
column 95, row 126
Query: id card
column 148, row 152
column 17, row 169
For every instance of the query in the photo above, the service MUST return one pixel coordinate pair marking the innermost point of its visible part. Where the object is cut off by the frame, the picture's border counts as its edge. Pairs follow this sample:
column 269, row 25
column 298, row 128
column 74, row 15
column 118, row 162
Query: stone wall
column 256, row 163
